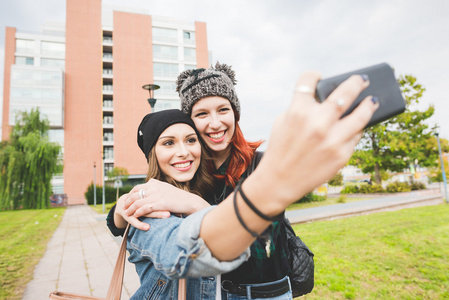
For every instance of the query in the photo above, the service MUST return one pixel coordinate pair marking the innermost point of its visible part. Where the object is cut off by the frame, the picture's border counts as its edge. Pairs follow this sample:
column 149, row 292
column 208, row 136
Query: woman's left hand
column 158, row 199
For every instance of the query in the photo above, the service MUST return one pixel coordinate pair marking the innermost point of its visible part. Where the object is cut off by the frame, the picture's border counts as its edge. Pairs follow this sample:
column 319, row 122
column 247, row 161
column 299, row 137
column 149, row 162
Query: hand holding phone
column 383, row 85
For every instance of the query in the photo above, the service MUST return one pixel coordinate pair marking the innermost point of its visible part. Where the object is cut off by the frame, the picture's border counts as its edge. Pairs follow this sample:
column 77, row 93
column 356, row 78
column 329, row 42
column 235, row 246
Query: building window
column 165, row 35
column 21, row 60
column 165, row 70
column 53, row 49
column 166, row 104
column 107, row 87
column 108, row 120
column 25, row 46
column 52, row 62
column 167, row 88
column 107, row 55
column 108, row 153
column 165, row 52
column 108, row 137
column 190, row 54
column 190, row 67
column 107, row 103
column 189, row 37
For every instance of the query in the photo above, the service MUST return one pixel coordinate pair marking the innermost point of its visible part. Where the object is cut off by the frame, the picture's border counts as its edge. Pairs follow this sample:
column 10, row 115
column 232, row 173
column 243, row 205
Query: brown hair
column 202, row 182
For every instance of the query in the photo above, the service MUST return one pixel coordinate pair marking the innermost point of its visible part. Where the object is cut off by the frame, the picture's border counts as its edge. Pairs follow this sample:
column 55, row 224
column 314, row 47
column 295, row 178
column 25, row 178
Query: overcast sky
column 269, row 43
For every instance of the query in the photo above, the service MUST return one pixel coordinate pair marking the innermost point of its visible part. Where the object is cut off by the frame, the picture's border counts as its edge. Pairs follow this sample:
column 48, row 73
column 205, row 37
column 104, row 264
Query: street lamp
column 151, row 88
column 95, row 185
column 443, row 173
column 103, row 175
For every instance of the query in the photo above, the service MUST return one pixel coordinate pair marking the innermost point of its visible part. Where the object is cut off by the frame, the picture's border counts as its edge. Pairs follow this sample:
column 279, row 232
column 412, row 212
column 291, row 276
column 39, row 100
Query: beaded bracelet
column 239, row 189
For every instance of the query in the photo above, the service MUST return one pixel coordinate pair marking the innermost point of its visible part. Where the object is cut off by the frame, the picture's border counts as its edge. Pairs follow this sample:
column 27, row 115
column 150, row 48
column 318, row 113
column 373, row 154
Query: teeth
column 180, row 166
column 216, row 135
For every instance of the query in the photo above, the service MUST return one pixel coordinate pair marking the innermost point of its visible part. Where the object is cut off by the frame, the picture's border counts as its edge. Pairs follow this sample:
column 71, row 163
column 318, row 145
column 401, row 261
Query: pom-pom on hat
column 194, row 85
column 154, row 124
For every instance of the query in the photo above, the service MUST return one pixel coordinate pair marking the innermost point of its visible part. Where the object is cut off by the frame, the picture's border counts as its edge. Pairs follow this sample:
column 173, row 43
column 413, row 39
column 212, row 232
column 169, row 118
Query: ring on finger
column 340, row 102
column 141, row 193
column 304, row 89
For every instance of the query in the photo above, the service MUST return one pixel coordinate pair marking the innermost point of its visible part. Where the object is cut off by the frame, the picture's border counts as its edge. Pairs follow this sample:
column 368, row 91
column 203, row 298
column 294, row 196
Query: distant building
column 87, row 75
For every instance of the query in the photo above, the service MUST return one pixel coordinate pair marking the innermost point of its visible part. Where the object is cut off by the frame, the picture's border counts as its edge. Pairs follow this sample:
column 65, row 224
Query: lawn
column 24, row 235
column 99, row 208
column 391, row 255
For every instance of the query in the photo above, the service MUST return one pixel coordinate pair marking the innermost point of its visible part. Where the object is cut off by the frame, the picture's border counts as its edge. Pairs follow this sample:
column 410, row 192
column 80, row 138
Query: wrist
column 268, row 191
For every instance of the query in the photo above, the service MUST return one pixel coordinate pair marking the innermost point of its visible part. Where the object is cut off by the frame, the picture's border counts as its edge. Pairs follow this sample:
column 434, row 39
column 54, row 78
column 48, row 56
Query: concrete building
column 87, row 75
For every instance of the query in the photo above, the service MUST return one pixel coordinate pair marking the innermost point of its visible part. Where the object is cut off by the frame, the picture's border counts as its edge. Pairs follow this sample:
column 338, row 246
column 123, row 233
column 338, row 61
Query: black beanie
column 154, row 124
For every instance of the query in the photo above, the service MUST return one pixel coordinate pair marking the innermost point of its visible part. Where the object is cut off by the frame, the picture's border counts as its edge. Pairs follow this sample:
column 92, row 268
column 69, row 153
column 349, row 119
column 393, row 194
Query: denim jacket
column 171, row 249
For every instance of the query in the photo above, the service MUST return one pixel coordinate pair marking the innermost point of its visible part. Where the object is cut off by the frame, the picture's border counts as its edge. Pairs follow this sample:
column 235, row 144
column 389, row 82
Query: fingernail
column 374, row 99
column 364, row 77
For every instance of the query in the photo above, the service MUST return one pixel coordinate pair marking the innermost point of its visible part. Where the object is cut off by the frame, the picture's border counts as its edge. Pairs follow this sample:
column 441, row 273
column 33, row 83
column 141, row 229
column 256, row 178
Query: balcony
column 107, row 41
column 107, row 57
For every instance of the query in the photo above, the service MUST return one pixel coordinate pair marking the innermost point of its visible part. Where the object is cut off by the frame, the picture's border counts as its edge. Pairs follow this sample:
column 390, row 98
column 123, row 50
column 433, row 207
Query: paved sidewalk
column 80, row 258
column 386, row 203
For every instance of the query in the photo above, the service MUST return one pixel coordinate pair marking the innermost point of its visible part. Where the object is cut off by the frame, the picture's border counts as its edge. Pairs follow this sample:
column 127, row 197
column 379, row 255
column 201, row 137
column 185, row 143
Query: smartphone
column 383, row 85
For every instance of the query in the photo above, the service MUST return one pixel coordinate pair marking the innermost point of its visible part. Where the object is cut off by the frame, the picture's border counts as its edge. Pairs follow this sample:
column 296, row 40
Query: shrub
column 398, row 187
column 377, row 188
column 342, row 199
column 311, row 197
column 418, row 186
column 109, row 192
column 337, row 180
column 350, row 189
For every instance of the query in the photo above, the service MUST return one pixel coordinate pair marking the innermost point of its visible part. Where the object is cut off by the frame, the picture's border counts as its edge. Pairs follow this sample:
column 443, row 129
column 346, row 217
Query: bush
column 337, row 180
column 418, row 186
column 109, row 191
column 342, row 199
column 311, row 197
column 350, row 189
column 371, row 189
column 398, row 187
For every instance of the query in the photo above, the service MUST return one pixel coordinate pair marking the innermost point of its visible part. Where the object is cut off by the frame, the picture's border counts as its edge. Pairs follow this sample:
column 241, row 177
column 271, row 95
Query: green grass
column 99, row 208
column 328, row 201
column 391, row 255
column 24, row 235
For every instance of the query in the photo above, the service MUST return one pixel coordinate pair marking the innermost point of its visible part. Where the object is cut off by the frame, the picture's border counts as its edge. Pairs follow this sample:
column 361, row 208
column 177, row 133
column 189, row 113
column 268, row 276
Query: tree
column 401, row 141
column 117, row 174
column 27, row 163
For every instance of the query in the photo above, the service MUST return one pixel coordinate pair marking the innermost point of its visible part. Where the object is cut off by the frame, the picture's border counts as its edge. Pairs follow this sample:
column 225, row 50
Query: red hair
column 242, row 153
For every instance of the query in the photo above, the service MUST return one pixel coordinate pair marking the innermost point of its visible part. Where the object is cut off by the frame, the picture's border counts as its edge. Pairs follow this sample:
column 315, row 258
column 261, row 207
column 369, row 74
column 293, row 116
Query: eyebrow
column 172, row 137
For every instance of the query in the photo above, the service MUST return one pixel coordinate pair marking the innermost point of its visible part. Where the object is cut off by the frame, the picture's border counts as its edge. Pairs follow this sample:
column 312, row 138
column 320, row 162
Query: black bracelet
column 239, row 217
column 238, row 189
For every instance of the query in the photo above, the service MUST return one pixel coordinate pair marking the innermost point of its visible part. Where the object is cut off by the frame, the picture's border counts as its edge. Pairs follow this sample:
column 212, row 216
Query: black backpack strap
column 256, row 159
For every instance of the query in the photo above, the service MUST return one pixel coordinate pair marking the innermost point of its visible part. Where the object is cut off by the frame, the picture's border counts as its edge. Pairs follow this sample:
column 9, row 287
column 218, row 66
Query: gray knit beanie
column 194, row 85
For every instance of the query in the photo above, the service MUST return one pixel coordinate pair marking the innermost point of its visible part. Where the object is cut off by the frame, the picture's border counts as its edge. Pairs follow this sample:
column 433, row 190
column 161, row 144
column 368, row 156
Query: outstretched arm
column 309, row 143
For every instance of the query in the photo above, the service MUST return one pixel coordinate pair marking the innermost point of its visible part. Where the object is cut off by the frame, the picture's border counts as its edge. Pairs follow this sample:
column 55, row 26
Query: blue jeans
column 287, row 296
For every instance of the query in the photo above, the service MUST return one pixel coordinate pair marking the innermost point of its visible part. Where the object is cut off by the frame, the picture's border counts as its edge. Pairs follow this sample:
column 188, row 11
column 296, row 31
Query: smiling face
column 178, row 152
column 215, row 121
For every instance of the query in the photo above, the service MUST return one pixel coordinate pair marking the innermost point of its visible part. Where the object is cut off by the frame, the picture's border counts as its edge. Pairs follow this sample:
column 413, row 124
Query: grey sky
column 269, row 43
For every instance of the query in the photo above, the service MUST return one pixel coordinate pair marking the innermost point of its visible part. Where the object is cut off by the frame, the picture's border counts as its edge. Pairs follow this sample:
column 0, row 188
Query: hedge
column 394, row 187
column 109, row 192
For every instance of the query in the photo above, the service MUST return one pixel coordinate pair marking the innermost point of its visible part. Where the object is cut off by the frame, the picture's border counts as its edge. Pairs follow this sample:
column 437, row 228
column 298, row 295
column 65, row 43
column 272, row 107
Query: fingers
column 305, row 89
column 343, row 96
column 150, row 208
column 158, row 215
column 356, row 121
column 133, row 221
